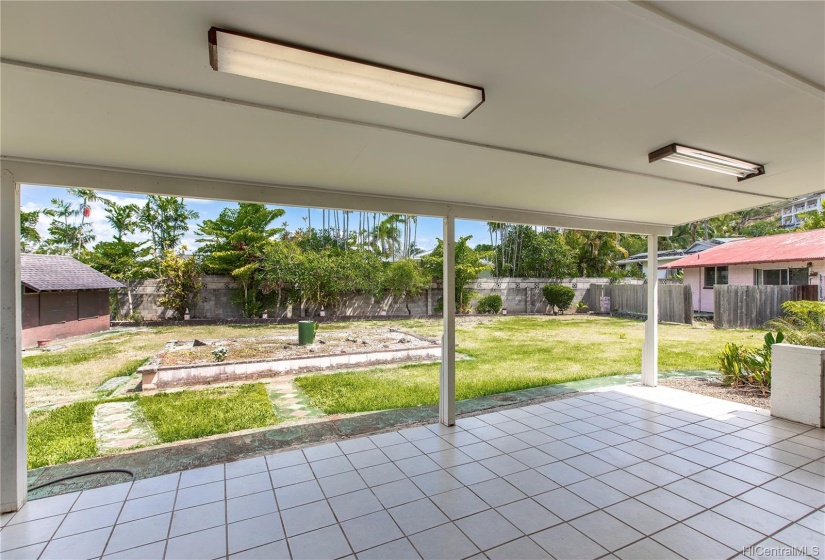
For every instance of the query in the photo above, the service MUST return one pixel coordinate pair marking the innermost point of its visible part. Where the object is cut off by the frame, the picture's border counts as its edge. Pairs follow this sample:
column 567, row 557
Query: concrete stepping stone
column 121, row 425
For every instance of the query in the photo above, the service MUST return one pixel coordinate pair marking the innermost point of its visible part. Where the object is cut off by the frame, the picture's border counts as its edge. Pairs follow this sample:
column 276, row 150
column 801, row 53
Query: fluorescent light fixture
column 707, row 160
column 264, row 59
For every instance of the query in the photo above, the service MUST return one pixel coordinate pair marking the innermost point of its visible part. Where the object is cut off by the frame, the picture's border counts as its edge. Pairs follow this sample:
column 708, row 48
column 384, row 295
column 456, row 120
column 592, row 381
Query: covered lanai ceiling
column 577, row 95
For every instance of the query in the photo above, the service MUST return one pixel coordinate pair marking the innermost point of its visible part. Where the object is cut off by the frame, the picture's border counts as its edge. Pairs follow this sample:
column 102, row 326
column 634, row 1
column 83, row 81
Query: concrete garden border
column 156, row 377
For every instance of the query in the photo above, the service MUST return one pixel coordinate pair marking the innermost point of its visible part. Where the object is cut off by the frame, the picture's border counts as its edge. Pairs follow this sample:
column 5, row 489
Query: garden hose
column 78, row 475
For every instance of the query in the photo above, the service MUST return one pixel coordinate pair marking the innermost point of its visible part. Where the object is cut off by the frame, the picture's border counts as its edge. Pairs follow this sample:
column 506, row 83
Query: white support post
column 12, row 412
column 650, row 348
column 446, row 400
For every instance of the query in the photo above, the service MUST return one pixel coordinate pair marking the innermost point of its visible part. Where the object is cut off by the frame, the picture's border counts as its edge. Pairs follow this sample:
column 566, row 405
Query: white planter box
column 797, row 391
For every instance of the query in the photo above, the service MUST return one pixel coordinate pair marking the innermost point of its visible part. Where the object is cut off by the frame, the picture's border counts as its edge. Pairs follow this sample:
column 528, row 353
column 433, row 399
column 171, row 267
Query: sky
column 38, row 198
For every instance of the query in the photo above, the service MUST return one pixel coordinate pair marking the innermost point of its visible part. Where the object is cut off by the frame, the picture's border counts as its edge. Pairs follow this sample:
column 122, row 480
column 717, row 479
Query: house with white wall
column 796, row 258
column 790, row 214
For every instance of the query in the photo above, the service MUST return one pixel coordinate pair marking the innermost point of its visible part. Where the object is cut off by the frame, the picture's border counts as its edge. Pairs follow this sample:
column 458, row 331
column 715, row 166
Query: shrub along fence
column 750, row 307
column 675, row 300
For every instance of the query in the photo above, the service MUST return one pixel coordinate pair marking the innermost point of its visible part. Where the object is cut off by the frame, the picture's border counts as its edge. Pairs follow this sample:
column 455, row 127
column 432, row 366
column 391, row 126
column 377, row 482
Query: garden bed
column 194, row 362
column 712, row 388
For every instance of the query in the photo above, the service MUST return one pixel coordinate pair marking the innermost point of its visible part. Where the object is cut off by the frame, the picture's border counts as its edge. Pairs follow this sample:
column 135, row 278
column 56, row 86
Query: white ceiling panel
column 590, row 82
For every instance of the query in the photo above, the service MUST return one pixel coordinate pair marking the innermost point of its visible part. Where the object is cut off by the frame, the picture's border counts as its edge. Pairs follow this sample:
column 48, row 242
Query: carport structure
column 121, row 96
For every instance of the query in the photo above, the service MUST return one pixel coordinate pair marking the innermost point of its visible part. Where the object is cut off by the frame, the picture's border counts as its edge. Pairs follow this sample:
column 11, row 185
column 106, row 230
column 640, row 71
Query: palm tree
column 122, row 218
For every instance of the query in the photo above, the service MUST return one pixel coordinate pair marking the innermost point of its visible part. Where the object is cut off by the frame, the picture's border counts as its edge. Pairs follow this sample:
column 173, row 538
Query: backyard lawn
column 500, row 354
column 514, row 353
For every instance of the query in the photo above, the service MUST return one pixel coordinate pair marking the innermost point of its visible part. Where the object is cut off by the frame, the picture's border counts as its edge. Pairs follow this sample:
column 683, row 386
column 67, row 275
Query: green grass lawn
column 504, row 354
column 193, row 414
column 514, row 353
column 66, row 433
column 61, row 435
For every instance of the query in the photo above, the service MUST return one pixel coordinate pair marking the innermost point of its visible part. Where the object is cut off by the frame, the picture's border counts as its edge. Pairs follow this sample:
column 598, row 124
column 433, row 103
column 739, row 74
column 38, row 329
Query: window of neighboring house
column 715, row 275
column 780, row 277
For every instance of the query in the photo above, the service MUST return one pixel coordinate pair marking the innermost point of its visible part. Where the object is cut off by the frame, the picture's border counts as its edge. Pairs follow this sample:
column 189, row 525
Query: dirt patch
column 285, row 347
column 712, row 388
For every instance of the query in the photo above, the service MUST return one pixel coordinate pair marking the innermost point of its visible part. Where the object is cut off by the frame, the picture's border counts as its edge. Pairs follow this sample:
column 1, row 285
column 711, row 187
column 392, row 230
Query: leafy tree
column 69, row 233
column 121, row 260
column 280, row 271
column 29, row 236
column 319, row 277
column 815, row 219
column 180, row 285
column 558, row 297
column 546, row 255
column 406, row 278
column 324, row 276
column 166, row 220
column 490, row 304
column 597, row 251
column 235, row 243
column 469, row 263
column 122, row 217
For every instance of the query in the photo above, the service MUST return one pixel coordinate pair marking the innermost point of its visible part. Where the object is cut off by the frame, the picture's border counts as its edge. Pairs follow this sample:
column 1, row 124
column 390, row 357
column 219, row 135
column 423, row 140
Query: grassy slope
column 518, row 353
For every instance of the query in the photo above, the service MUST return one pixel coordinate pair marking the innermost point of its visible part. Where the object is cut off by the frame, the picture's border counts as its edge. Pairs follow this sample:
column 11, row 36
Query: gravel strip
column 711, row 388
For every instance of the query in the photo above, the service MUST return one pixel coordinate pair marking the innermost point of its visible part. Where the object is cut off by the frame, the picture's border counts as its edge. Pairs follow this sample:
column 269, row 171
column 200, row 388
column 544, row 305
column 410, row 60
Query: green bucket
column 306, row 332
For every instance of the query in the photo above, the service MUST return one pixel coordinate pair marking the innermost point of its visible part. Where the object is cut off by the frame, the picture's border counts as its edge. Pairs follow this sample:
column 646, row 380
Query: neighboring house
column 639, row 261
column 62, row 297
column 790, row 213
column 787, row 259
column 665, row 257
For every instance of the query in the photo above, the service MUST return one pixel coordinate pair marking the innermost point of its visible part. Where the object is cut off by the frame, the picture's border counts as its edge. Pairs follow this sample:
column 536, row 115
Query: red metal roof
column 797, row 246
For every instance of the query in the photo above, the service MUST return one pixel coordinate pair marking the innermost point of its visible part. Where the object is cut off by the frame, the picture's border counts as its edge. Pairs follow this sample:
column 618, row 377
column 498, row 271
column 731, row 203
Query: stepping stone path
column 289, row 401
column 121, row 425
column 113, row 384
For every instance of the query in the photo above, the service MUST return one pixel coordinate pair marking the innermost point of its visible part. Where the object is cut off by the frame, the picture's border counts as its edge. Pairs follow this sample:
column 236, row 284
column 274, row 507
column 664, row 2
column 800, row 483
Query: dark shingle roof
column 53, row 273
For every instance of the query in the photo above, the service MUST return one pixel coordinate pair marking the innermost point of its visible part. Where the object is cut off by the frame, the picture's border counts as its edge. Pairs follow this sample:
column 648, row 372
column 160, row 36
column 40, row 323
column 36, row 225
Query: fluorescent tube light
column 240, row 54
column 707, row 160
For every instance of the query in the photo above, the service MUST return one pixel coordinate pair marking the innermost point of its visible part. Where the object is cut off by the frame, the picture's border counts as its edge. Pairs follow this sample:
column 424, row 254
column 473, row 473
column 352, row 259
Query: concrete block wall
column 520, row 295
column 523, row 295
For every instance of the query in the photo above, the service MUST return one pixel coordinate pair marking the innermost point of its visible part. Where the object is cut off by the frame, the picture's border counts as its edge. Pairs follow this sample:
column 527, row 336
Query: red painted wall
column 64, row 330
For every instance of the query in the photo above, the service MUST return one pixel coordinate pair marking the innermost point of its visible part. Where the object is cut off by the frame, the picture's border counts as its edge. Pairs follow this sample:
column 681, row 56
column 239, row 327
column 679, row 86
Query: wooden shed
column 62, row 297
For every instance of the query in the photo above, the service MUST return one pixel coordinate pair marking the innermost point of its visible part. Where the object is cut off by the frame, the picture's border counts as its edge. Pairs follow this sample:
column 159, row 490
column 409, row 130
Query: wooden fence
column 675, row 300
column 750, row 307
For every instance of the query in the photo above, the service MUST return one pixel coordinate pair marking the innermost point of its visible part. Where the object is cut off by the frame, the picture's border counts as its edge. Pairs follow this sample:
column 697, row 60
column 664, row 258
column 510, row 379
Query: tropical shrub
column 803, row 324
column 462, row 304
column 741, row 366
column 490, row 304
column 181, row 284
column 469, row 263
column 558, row 297
column 406, row 278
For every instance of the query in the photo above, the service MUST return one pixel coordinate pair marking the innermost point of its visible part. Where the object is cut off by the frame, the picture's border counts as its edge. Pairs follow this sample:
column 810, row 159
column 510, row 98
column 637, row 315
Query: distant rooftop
column 56, row 273
column 796, row 246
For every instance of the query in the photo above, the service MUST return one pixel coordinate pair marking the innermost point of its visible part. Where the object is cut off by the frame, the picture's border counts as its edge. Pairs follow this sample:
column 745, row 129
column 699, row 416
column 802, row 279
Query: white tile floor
column 631, row 472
